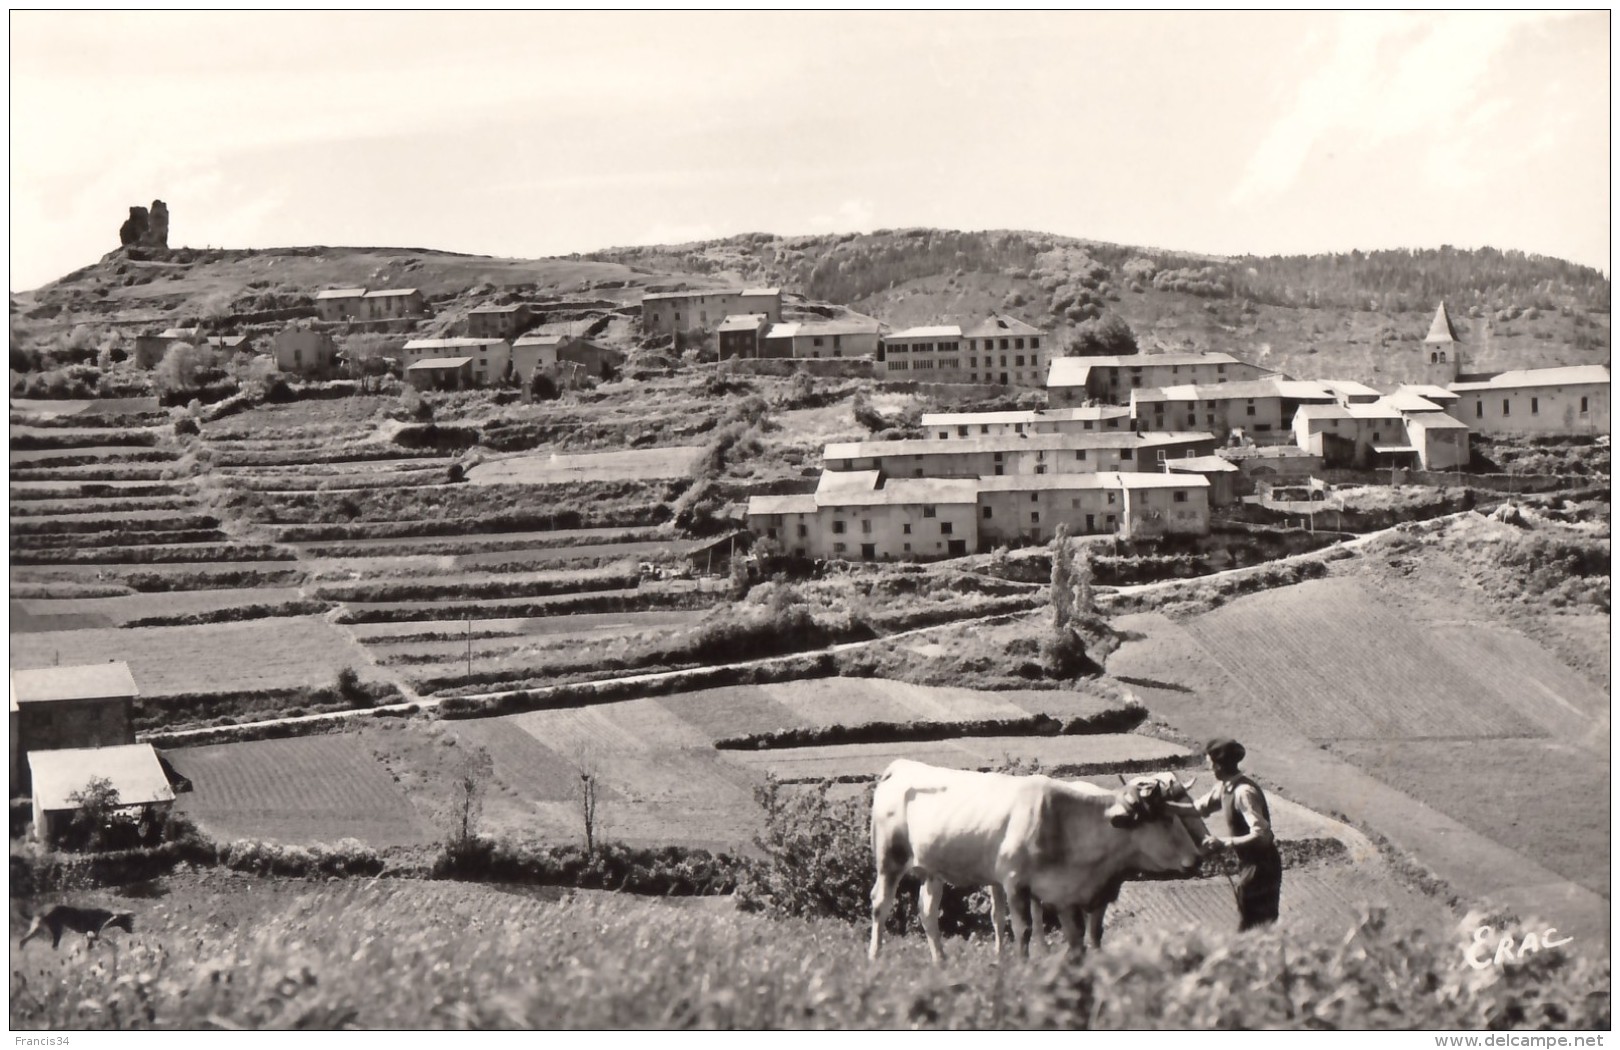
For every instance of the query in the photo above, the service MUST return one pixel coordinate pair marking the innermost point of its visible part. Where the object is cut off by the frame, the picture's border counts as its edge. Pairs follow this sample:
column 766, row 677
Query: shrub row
column 639, row 601
column 159, row 582
column 223, row 709
column 670, row 871
column 350, row 454
column 1117, row 720
column 397, row 591
column 57, row 526
column 153, row 555
column 306, row 607
column 93, row 490
column 809, row 665
column 121, row 538
column 1213, row 592
column 33, row 440
column 133, row 472
column 43, row 507
column 331, row 722
column 118, row 454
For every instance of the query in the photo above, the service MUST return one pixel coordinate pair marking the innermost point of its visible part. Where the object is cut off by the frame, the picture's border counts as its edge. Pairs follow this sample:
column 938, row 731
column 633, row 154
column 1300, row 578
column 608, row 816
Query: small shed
column 89, row 705
column 440, row 373
column 1220, row 473
column 133, row 769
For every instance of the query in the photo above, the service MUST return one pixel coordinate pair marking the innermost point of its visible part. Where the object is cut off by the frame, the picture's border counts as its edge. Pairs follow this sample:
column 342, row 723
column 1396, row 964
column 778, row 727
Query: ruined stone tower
column 145, row 228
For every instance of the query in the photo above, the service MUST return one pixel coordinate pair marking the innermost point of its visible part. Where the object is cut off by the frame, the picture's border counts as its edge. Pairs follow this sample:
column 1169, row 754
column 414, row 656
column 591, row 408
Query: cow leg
column 1094, row 925
column 1072, row 920
column 930, row 898
column 1018, row 910
column 35, row 930
column 882, row 903
column 998, row 913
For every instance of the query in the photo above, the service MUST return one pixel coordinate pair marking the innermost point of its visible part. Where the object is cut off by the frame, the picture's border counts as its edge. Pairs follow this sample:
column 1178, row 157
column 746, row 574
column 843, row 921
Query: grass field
column 300, row 790
column 110, row 612
column 255, row 654
column 869, row 760
column 552, row 469
column 1333, row 663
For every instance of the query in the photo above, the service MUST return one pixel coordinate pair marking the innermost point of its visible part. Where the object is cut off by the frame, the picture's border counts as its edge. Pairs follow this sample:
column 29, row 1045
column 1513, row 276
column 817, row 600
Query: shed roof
column 1428, row 391
column 1309, row 412
column 453, row 342
column 1569, row 375
column 134, row 770
column 540, row 339
column 1409, row 401
column 385, row 292
column 340, row 293
column 836, row 481
column 1201, row 465
column 760, row 291
column 1437, row 421
column 899, row 491
column 1069, row 371
column 741, row 323
column 78, row 682
column 1349, row 388
column 436, row 363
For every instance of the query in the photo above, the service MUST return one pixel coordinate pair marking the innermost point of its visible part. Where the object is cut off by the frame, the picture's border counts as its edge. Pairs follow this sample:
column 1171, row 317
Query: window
column 1004, row 357
column 973, row 362
column 944, row 528
column 1088, row 424
column 1034, row 517
column 1018, row 428
column 1249, row 411
column 1127, row 453
column 1192, row 419
column 961, row 431
column 998, row 457
column 1018, row 344
column 838, row 528
column 1004, row 346
column 905, row 528
column 1080, row 455
column 908, row 548
column 815, row 341
column 839, row 548
column 1180, row 497
column 1535, row 406
column 771, row 533
column 1018, row 361
column 928, row 512
column 943, row 434
column 1505, row 406
column 866, row 526
column 1583, row 406
column 1479, row 408
column 804, row 531
column 1040, row 468
column 984, row 428
column 1034, row 344
column 1111, row 503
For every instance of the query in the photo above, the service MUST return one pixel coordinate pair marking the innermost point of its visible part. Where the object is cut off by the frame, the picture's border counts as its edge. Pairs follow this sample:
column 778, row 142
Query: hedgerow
column 398, row 591
column 1115, row 720
column 153, row 555
column 304, row 607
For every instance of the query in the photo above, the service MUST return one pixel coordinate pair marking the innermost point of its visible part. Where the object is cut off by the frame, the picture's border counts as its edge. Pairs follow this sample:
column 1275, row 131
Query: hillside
column 1357, row 315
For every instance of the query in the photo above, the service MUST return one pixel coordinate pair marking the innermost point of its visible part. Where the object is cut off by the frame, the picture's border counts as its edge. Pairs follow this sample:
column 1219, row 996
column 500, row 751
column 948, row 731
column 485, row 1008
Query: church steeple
column 1442, row 352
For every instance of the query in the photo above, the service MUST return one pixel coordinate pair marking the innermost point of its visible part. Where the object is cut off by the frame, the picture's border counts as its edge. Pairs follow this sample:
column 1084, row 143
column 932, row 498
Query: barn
column 133, row 770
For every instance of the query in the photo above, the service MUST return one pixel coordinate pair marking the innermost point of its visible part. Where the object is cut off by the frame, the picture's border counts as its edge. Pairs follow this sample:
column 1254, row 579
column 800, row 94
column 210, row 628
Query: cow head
column 1161, row 810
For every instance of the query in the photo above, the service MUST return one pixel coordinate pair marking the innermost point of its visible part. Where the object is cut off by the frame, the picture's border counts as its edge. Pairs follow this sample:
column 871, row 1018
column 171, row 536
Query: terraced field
column 300, row 790
column 629, row 465
column 867, row 761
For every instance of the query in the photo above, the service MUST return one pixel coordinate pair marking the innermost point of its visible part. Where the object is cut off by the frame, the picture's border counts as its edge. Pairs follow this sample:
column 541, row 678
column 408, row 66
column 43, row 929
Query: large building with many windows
column 1017, row 454
column 665, row 313
column 1001, row 351
column 1079, row 420
column 1568, row 400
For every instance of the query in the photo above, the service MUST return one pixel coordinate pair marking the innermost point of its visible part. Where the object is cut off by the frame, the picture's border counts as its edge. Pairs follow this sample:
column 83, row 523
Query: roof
column 1441, row 329
column 1440, row 420
column 1100, row 479
column 1409, row 401
column 507, row 309
column 785, row 330
column 540, row 338
column 451, row 343
column 701, row 293
column 1147, row 360
column 433, row 363
column 1569, row 375
column 946, row 419
column 383, row 292
column 1201, row 464
column 79, row 682
column 1010, row 443
column 1069, row 371
column 177, row 333
column 1001, row 324
column 1428, row 391
column 900, row 491
column 842, row 326
column 134, row 770
column 1292, row 389
column 938, row 331
column 799, row 503
column 835, row 481
column 1309, row 412
column 741, row 323
column 1147, row 480
column 1376, row 410
column 1349, row 388
column 760, row 291
column 227, row 340
column 1390, row 449
column 340, row 293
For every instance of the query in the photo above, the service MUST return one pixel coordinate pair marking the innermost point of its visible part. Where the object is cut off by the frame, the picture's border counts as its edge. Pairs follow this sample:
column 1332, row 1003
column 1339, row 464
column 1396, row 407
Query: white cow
column 1068, row 845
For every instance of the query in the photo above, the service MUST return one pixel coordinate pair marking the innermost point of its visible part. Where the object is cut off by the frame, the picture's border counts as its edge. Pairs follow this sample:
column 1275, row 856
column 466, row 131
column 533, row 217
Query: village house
column 497, row 322
column 390, row 304
column 665, row 313
column 578, row 358
column 815, row 340
column 933, row 350
column 1078, row 380
column 133, row 770
column 1006, row 351
column 149, row 349
column 1016, row 454
column 1569, row 400
column 304, row 351
column 1220, row 473
column 487, row 360
column 1350, row 392
column 339, row 304
column 740, row 335
column 1026, row 509
column 1400, row 430
column 227, row 344
column 88, row 705
column 861, row 515
column 1078, row 420
column 1263, row 409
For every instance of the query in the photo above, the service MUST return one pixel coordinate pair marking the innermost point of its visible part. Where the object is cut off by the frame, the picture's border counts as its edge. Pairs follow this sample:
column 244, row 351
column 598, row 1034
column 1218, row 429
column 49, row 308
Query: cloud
column 1389, row 75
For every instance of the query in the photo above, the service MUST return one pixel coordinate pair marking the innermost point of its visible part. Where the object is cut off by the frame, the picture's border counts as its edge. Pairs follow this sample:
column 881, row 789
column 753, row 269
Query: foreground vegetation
column 416, row 955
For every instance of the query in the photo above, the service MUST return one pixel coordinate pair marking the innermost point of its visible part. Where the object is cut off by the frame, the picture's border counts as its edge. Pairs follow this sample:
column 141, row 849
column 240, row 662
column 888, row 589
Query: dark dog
column 88, row 921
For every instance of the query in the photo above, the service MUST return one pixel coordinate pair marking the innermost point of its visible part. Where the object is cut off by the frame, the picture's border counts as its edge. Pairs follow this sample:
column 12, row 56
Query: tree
column 94, row 807
column 468, row 786
column 370, row 357
column 1063, row 650
column 1108, row 335
column 543, row 387
column 181, row 372
column 586, row 795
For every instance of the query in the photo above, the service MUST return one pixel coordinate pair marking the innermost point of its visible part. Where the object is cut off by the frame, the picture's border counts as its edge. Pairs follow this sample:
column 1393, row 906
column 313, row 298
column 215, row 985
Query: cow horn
column 1182, row 807
column 1122, row 779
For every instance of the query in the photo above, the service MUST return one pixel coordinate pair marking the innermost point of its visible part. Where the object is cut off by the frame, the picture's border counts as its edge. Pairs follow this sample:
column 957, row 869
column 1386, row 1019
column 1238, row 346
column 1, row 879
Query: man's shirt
column 1247, row 801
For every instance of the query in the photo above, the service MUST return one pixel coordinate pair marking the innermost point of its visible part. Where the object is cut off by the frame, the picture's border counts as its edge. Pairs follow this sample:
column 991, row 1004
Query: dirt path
column 1155, row 667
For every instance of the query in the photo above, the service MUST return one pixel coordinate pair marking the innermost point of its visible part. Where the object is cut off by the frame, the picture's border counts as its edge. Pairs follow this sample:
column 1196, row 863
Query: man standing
column 1248, row 825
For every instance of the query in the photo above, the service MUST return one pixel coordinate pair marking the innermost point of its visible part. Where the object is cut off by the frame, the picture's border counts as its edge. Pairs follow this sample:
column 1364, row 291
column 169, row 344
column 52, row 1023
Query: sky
column 548, row 133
